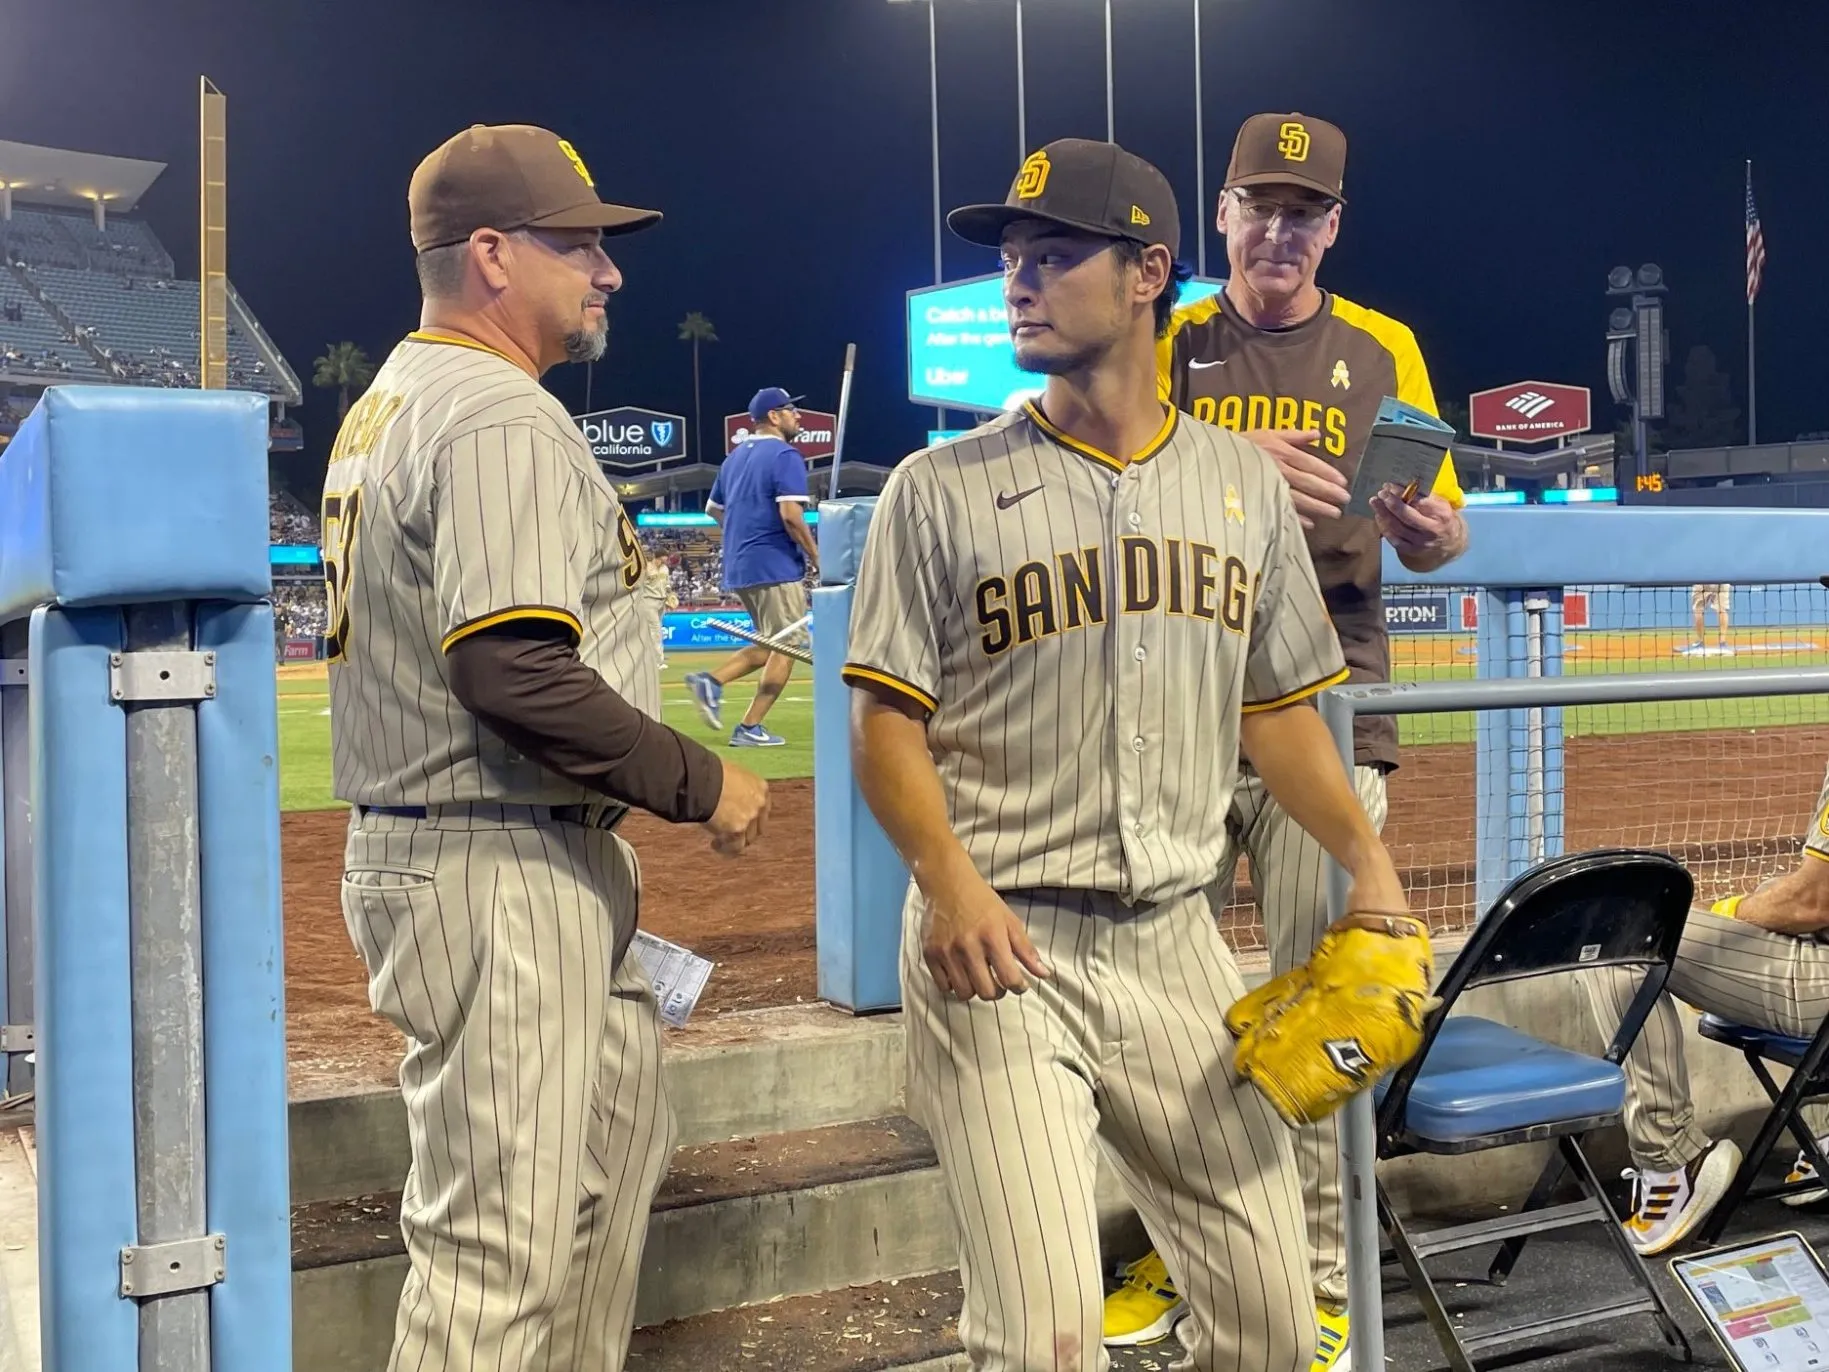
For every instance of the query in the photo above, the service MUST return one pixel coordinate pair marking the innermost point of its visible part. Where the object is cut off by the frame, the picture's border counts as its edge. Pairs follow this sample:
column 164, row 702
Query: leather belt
column 593, row 815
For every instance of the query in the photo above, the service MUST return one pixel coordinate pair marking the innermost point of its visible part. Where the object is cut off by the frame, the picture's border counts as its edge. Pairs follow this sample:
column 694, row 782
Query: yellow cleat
column 1146, row 1308
column 1331, row 1352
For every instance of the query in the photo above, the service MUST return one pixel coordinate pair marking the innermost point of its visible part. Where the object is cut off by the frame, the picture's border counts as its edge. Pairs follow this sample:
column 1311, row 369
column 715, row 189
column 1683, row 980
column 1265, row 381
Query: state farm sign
column 818, row 432
column 1529, row 412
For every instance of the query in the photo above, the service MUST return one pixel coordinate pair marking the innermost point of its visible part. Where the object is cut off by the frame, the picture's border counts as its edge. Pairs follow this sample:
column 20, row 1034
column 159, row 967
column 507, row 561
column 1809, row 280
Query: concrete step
column 735, row 1223
column 744, row 1074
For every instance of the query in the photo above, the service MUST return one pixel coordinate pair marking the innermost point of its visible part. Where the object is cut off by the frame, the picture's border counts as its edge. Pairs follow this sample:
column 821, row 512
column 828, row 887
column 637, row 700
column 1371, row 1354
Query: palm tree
column 346, row 369
column 696, row 329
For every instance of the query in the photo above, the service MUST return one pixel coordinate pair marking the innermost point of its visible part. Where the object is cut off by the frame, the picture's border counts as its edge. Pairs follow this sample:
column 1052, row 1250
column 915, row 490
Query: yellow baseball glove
column 1323, row 1032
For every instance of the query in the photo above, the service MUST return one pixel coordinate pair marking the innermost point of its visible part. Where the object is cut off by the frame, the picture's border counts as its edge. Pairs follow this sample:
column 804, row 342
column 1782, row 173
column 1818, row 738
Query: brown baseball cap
column 509, row 176
column 1081, row 184
column 1289, row 150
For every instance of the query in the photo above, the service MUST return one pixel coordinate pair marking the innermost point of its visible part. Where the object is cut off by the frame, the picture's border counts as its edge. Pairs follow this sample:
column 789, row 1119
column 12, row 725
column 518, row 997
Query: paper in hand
column 1405, row 450
column 677, row 975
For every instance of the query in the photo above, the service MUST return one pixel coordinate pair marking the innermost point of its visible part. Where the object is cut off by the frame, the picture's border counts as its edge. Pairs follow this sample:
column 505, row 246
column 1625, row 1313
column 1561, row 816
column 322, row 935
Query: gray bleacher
column 34, row 346
column 148, row 325
column 126, row 245
column 38, row 238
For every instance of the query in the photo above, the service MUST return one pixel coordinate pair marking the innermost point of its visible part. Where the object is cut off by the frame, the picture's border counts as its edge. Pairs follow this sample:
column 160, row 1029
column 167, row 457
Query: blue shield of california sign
column 631, row 438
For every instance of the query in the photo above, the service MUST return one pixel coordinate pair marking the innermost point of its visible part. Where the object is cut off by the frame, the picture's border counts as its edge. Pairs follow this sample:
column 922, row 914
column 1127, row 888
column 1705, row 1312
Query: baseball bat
column 844, row 409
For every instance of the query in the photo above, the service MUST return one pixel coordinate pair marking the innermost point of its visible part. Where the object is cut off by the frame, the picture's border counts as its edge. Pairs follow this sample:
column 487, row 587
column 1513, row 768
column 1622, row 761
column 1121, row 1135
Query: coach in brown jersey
column 495, row 711
column 1301, row 371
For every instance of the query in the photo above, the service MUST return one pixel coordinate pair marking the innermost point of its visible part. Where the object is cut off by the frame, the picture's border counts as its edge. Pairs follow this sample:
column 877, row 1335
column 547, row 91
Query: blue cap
column 771, row 398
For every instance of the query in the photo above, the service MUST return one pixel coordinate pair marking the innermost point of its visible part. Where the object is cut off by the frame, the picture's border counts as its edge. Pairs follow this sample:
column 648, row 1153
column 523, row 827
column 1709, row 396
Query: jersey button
column 1136, row 520
column 1137, row 828
column 1136, row 744
column 1140, row 654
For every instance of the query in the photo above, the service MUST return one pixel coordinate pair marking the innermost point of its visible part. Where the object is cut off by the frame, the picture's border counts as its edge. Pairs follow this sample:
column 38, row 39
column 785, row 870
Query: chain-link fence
column 1726, row 785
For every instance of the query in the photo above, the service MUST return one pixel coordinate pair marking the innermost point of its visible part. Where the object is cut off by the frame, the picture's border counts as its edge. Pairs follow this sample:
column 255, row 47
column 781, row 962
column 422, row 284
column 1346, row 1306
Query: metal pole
column 1752, row 383
column 1200, row 156
column 1022, row 99
column 933, row 106
column 844, row 411
column 1533, row 731
column 1358, row 1127
column 1111, row 121
column 1752, row 376
column 164, row 910
column 16, row 916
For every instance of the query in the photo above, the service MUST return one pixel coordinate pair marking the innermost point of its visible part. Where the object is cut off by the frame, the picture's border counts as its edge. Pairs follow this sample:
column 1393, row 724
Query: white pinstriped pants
column 1124, row 1049
column 1289, row 875
column 532, row 1083
column 1724, row 967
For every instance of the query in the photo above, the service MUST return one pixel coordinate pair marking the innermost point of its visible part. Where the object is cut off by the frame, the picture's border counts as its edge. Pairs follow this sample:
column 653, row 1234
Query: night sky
column 1502, row 157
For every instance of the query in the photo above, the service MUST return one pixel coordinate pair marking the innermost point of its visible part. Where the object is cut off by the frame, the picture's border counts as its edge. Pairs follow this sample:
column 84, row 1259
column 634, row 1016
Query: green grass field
column 304, row 727
column 304, row 705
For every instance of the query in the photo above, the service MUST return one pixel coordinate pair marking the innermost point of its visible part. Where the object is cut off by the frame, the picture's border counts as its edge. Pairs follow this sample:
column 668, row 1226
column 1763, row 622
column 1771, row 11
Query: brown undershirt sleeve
column 525, row 682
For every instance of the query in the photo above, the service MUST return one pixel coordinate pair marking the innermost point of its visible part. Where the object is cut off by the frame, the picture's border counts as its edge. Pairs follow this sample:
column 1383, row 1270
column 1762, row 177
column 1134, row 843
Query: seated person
column 1761, row 960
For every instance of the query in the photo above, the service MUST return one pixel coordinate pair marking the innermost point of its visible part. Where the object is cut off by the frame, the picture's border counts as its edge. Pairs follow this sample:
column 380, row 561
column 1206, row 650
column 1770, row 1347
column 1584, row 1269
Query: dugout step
column 358, row 1228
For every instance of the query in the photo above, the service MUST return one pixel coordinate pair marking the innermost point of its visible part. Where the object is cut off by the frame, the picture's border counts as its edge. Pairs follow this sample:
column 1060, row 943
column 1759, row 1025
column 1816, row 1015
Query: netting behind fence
column 1726, row 786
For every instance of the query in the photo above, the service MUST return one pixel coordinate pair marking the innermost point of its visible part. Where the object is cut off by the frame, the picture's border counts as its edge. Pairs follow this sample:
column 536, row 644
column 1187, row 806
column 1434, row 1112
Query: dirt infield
column 1731, row 804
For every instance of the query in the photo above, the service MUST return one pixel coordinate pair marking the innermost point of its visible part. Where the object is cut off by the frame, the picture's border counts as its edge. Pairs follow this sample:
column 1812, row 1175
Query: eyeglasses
column 1303, row 216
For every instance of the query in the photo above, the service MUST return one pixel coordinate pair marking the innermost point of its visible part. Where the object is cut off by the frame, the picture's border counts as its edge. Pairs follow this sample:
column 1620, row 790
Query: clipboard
column 1766, row 1302
column 1406, row 449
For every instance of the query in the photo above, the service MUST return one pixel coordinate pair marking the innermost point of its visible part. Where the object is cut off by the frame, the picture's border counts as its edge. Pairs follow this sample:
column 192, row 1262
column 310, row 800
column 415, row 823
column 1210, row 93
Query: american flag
column 1755, row 243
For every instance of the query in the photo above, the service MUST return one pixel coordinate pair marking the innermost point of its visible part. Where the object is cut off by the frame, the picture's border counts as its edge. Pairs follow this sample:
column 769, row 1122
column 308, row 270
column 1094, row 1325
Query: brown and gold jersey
column 461, row 495
column 1330, row 374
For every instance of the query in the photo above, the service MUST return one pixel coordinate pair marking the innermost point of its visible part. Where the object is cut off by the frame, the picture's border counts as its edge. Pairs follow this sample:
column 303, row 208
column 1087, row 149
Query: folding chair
column 1477, row 1085
column 1808, row 1060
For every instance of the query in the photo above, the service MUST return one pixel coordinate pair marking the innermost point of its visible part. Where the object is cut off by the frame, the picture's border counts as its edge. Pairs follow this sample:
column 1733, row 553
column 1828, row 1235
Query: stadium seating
column 38, row 238
column 116, row 291
column 148, row 325
column 34, row 343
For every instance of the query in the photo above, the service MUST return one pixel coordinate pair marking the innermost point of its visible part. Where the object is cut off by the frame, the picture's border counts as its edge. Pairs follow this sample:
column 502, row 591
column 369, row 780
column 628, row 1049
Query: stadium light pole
column 1200, row 157
column 933, row 105
column 1022, row 99
column 1111, row 119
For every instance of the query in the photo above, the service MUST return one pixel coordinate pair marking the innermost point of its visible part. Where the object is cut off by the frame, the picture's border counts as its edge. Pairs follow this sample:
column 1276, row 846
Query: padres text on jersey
column 1328, row 373
column 1085, row 633
column 460, row 495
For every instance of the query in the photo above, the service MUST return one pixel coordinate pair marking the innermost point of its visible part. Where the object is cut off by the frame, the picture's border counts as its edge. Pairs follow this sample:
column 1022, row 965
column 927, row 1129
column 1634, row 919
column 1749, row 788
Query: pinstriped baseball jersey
column 460, row 495
column 1085, row 633
column 1816, row 844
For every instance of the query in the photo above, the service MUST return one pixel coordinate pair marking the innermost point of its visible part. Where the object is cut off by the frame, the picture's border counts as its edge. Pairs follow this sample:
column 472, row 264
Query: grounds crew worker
column 495, row 708
column 759, row 500
column 1301, row 371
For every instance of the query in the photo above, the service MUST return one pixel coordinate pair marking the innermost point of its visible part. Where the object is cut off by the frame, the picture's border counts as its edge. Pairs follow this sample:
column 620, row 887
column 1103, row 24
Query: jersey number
column 340, row 511
column 629, row 546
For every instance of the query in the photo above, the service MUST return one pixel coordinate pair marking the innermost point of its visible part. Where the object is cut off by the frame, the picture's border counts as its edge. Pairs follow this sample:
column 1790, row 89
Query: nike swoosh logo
column 1005, row 501
column 1201, row 366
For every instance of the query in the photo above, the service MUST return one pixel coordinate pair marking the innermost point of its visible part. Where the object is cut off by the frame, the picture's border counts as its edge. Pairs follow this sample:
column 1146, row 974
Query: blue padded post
column 244, row 1065
column 113, row 497
column 861, row 882
column 86, row 1190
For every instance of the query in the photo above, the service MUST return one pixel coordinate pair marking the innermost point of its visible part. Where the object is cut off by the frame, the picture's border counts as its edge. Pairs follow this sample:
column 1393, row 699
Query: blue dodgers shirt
column 757, row 476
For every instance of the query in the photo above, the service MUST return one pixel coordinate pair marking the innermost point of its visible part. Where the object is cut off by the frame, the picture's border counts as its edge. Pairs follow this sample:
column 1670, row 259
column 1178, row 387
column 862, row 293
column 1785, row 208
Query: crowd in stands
column 288, row 521
column 695, row 563
column 299, row 609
